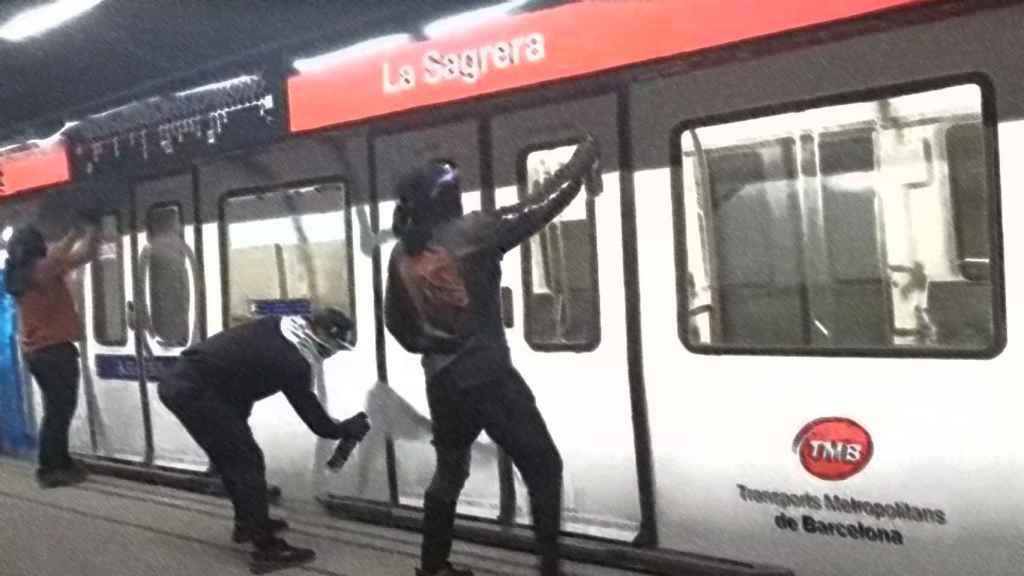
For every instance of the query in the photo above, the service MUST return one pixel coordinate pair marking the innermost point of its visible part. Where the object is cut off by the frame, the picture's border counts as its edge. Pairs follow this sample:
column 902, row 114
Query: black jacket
column 249, row 362
column 478, row 241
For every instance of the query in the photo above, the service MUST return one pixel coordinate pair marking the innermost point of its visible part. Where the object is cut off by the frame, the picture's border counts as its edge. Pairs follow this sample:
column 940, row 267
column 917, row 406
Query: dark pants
column 55, row 369
column 223, row 432
column 505, row 408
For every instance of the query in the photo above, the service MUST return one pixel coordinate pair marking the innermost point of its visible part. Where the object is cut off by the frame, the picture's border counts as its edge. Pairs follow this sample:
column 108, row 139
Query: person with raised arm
column 36, row 276
column 443, row 301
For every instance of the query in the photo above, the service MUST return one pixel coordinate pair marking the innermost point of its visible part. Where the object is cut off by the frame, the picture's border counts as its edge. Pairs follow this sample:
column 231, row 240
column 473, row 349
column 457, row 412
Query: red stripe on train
column 532, row 48
column 23, row 170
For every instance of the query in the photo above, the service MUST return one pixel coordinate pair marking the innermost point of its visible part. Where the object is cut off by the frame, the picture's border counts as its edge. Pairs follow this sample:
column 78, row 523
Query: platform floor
column 113, row 527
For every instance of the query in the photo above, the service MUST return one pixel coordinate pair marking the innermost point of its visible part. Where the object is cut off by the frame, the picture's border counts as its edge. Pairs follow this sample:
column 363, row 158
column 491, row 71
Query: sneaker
column 244, row 533
column 278, row 556
column 448, row 570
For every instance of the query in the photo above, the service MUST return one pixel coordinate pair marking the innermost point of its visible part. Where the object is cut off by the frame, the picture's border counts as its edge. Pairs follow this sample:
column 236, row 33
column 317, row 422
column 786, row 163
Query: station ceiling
column 123, row 50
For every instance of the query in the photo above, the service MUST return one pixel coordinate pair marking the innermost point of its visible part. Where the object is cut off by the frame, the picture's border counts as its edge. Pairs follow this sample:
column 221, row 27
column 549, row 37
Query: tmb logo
column 833, row 448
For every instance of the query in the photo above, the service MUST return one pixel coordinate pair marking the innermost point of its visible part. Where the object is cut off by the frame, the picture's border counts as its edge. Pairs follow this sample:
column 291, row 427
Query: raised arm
column 87, row 248
column 518, row 222
column 73, row 250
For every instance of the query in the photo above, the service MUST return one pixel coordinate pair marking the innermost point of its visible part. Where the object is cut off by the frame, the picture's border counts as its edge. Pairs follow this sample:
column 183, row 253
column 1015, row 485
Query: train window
column 560, row 267
column 108, row 319
column 856, row 227
column 965, row 147
column 168, row 281
column 291, row 245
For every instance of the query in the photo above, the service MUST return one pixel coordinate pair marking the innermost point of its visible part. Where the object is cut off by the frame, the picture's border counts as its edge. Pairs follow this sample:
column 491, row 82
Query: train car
column 778, row 336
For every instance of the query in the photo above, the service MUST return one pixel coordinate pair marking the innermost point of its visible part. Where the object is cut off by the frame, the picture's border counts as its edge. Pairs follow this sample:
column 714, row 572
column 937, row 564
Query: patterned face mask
column 297, row 330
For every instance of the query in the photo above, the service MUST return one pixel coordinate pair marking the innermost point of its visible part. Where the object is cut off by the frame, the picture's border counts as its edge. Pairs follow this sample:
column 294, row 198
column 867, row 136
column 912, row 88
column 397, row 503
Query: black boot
column 438, row 523
column 448, row 570
column 277, row 555
column 59, row 477
column 77, row 472
column 243, row 533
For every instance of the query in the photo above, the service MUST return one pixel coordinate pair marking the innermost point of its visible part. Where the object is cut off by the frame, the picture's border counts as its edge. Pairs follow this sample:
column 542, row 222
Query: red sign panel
column 833, row 448
column 33, row 168
column 532, row 48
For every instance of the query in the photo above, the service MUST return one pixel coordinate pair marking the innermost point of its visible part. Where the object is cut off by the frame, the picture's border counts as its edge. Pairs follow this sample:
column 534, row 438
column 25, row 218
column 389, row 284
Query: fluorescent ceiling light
column 39, row 142
column 116, row 110
column 53, row 138
column 35, row 21
column 364, row 47
column 216, row 85
column 471, row 18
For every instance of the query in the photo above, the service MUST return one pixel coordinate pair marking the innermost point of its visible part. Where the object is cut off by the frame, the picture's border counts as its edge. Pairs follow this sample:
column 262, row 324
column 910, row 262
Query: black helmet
column 332, row 330
column 430, row 194
column 427, row 196
column 25, row 247
column 26, row 244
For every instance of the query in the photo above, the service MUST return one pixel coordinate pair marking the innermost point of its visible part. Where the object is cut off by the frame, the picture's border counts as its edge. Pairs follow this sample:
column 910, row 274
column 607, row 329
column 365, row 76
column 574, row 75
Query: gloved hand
column 355, row 427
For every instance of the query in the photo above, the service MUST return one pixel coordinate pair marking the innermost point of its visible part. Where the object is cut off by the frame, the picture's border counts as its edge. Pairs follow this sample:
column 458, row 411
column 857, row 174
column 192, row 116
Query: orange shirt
column 48, row 315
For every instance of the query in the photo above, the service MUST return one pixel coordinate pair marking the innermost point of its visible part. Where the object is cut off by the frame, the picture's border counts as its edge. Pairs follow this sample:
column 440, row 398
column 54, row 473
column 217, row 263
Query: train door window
column 850, row 302
column 291, row 246
column 965, row 148
column 168, row 281
column 108, row 305
column 560, row 266
column 855, row 227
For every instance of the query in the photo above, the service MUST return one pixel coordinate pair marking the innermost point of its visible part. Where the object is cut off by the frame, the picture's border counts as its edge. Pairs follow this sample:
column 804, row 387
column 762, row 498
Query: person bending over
column 212, row 387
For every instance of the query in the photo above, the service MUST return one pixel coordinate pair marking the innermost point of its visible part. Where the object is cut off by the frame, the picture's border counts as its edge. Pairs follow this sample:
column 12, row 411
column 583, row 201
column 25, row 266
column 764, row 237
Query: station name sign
column 535, row 47
column 468, row 66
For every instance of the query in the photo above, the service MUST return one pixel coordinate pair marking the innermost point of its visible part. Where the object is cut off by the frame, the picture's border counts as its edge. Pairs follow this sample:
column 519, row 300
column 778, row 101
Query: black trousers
column 504, row 407
column 223, row 432
column 55, row 369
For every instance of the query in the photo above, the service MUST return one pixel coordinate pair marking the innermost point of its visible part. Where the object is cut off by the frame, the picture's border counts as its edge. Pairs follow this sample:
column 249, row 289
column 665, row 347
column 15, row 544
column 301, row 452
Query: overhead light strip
column 464, row 20
column 35, row 21
column 363, row 48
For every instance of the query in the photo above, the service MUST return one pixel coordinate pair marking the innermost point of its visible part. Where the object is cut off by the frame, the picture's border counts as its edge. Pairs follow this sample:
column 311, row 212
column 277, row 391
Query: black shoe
column 244, row 533
column 77, row 472
column 60, row 477
column 448, row 570
column 279, row 555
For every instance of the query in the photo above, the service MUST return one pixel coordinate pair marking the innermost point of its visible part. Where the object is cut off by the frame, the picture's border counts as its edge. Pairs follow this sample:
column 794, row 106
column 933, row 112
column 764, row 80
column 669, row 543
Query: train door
column 568, row 338
column 168, row 300
column 394, row 154
column 283, row 223
column 109, row 351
